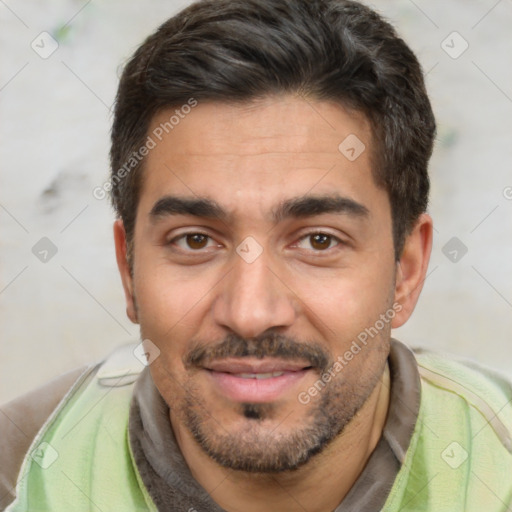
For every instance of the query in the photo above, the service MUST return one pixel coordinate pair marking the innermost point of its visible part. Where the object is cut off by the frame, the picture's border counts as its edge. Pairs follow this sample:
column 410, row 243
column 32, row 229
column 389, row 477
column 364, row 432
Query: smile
column 256, row 381
column 258, row 375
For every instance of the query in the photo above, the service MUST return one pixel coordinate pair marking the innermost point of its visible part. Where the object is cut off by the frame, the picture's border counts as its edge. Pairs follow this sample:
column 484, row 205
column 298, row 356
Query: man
column 269, row 171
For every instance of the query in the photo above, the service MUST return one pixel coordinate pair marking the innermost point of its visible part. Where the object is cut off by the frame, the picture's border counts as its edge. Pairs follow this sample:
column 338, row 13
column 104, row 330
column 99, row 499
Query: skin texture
column 302, row 299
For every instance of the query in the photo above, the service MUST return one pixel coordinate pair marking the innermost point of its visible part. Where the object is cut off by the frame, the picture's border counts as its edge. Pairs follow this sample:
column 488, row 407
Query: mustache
column 269, row 345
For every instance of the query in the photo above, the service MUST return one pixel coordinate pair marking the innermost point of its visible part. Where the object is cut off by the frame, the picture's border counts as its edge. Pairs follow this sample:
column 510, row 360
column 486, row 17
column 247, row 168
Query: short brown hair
column 240, row 50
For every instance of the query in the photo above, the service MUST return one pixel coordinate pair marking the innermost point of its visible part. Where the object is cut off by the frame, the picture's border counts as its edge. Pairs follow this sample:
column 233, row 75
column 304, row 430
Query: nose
column 254, row 298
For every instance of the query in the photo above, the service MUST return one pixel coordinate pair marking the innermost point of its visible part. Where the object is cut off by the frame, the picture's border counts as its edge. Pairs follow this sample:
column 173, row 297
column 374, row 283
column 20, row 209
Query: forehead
column 251, row 156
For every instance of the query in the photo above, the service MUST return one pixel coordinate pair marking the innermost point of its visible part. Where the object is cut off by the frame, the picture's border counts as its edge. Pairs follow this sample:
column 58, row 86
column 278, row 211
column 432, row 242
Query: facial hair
column 258, row 445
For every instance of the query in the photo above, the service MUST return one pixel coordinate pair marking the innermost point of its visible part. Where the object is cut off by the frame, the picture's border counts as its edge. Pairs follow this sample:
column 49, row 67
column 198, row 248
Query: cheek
column 172, row 303
column 346, row 301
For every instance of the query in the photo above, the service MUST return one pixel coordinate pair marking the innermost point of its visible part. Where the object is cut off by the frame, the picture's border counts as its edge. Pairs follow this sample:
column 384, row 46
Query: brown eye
column 320, row 241
column 196, row 241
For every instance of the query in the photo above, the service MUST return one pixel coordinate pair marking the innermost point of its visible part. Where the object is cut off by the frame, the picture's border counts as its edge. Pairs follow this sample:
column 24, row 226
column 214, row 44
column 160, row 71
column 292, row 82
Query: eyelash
column 333, row 238
column 189, row 233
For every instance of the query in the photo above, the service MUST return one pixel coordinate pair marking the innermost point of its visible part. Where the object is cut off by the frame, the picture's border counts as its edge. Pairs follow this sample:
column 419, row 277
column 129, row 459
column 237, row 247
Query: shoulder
column 472, row 380
column 23, row 418
column 481, row 389
column 20, row 420
column 461, row 447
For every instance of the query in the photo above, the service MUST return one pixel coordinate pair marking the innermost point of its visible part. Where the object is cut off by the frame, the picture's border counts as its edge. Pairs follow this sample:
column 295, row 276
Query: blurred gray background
column 61, row 302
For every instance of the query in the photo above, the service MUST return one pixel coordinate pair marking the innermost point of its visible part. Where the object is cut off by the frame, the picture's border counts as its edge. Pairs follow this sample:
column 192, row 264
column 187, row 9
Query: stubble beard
column 260, row 445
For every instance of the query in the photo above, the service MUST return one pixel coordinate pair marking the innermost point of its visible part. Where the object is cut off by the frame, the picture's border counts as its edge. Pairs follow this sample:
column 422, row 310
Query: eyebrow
column 299, row 207
column 201, row 207
column 308, row 206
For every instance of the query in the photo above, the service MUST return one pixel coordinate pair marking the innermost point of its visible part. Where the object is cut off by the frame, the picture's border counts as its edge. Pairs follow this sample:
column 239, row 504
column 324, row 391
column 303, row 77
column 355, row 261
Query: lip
column 253, row 365
column 226, row 375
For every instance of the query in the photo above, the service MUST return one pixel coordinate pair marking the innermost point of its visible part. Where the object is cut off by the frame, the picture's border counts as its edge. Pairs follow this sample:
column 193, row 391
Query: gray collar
column 172, row 487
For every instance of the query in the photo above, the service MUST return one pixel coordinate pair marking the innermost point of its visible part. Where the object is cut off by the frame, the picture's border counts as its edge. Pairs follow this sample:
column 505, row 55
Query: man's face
column 261, row 252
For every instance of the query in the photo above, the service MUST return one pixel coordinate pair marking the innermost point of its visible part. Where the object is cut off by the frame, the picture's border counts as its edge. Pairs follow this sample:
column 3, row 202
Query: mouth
column 255, row 380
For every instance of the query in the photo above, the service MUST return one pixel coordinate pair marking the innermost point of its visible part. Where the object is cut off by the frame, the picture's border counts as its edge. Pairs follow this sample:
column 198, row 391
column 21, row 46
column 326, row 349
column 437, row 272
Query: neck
column 317, row 486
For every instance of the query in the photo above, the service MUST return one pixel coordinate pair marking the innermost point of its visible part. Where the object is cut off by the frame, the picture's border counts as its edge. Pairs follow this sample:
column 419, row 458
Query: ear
column 124, row 269
column 412, row 269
